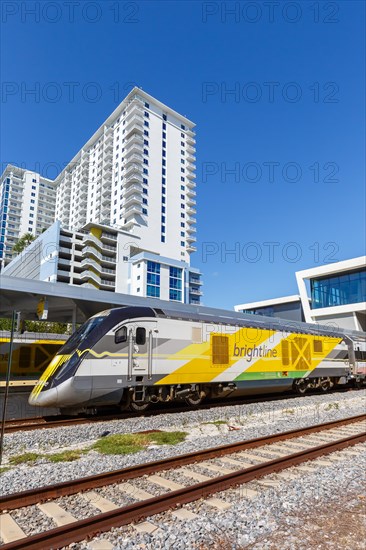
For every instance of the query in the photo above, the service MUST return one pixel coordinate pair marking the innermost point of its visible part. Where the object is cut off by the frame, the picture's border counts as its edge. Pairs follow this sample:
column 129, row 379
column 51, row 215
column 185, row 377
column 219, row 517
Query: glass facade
column 339, row 290
column 175, row 283
column 153, row 279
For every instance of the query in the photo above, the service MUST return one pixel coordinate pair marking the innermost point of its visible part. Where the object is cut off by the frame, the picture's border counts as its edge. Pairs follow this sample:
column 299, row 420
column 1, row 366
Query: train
column 132, row 357
column 32, row 353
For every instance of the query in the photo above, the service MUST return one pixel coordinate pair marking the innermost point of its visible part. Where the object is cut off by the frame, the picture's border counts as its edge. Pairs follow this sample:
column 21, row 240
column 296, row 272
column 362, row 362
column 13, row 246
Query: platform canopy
column 65, row 303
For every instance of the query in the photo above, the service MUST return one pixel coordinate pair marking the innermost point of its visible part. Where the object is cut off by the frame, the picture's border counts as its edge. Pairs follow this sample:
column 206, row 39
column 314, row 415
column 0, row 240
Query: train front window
column 81, row 334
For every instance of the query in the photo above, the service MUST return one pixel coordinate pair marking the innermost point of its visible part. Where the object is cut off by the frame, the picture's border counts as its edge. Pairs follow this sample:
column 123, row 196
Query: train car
column 32, row 353
column 135, row 356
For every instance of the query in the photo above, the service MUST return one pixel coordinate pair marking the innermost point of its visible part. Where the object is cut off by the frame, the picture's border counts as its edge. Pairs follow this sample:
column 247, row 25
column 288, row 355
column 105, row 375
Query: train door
column 141, row 345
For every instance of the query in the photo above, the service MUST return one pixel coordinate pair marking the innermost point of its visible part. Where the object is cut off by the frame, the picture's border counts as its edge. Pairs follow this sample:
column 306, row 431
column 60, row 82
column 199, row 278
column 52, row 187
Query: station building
column 333, row 294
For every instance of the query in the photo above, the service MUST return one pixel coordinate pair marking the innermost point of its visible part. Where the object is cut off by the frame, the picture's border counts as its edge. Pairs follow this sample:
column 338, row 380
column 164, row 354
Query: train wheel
column 139, row 406
column 194, row 400
column 325, row 384
column 301, row 387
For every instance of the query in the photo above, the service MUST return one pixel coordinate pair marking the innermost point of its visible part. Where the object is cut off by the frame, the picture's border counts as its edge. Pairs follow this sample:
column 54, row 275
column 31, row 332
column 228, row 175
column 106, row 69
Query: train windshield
column 80, row 335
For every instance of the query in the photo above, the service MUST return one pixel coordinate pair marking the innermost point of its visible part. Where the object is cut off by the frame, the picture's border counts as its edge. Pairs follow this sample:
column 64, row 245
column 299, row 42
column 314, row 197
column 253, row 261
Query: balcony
column 191, row 229
column 195, row 291
column 136, row 188
column 132, row 199
column 191, row 166
column 190, row 220
column 108, row 237
column 134, row 139
column 106, row 191
column 107, row 271
column 134, row 125
column 191, row 248
column 90, row 275
column 190, row 239
column 89, row 262
column 132, row 210
column 190, row 201
column 134, row 167
column 134, row 157
column 195, row 280
column 135, row 177
column 191, row 210
column 89, row 238
column 108, row 259
column 133, row 147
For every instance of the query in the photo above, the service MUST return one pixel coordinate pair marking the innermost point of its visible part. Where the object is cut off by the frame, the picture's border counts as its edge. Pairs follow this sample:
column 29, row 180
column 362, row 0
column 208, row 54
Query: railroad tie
column 218, row 503
column 9, row 529
column 146, row 527
column 217, row 468
column 55, row 512
column 99, row 502
column 236, row 462
column 186, row 472
column 166, row 483
column 100, row 545
column 244, row 492
column 184, row 514
column 258, row 458
column 134, row 492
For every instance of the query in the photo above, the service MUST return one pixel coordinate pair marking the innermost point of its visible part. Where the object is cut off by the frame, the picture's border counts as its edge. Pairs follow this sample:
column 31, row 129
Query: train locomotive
column 135, row 356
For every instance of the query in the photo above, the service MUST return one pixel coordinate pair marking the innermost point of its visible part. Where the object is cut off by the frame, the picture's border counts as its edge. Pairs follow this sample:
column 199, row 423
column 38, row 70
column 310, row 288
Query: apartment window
column 30, row 222
column 182, row 197
column 163, row 181
column 146, row 152
column 163, row 200
column 163, row 190
column 31, row 215
column 163, row 162
column 146, row 114
column 182, row 234
column 144, row 211
column 175, row 283
column 163, row 209
column 146, row 123
column 163, row 171
column 164, row 117
column 138, row 290
column 182, row 206
column 182, row 187
column 162, row 219
column 146, row 162
column 164, row 144
column 32, row 207
column 182, row 144
column 182, row 224
column 182, row 161
column 164, row 153
column 33, row 186
column 182, row 135
column 146, row 133
column 182, row 243
column 145, row 171
column 163, row 238
column 147, row 106
column 164, row 136
column 153, row 279
column 144, row 201
column 144, row 191
column 146, row 142
column 163, row 228
column 33, row 194
column 182, row 215
column 164, row 126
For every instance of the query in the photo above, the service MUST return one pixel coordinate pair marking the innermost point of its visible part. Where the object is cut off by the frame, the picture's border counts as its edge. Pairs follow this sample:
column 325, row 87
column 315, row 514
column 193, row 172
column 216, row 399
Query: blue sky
column 292, row 130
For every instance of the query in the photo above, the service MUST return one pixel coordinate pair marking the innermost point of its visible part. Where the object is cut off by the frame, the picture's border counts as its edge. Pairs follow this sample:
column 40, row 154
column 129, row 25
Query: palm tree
column 23, row 242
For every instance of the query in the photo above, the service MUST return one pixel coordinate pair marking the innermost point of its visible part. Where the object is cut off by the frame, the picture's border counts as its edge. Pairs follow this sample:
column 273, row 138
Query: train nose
column 45, row 398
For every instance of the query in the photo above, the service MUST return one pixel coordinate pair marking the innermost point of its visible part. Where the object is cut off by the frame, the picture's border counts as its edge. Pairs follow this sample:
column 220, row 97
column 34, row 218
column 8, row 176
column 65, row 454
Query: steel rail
column 78, row 531
column 71, row 487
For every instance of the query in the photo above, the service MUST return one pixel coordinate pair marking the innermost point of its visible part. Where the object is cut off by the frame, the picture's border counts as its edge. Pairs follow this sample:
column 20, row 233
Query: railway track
column 201, row 474
column 48, row 422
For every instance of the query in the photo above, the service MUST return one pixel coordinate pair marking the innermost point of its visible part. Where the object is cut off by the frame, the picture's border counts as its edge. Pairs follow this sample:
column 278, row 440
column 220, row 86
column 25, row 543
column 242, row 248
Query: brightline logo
column 256, row 351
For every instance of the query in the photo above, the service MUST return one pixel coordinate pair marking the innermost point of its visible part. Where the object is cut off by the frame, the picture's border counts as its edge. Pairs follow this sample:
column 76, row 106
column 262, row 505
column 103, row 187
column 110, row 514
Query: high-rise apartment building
column 27, row 205
column 128, row 193
column 137, row 172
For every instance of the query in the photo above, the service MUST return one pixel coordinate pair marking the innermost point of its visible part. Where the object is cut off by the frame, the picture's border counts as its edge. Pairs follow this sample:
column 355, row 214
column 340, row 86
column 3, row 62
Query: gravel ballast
column 242, row 422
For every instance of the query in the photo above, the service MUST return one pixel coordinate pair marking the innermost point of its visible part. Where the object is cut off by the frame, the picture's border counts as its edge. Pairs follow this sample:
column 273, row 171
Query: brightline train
column 135, row 356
